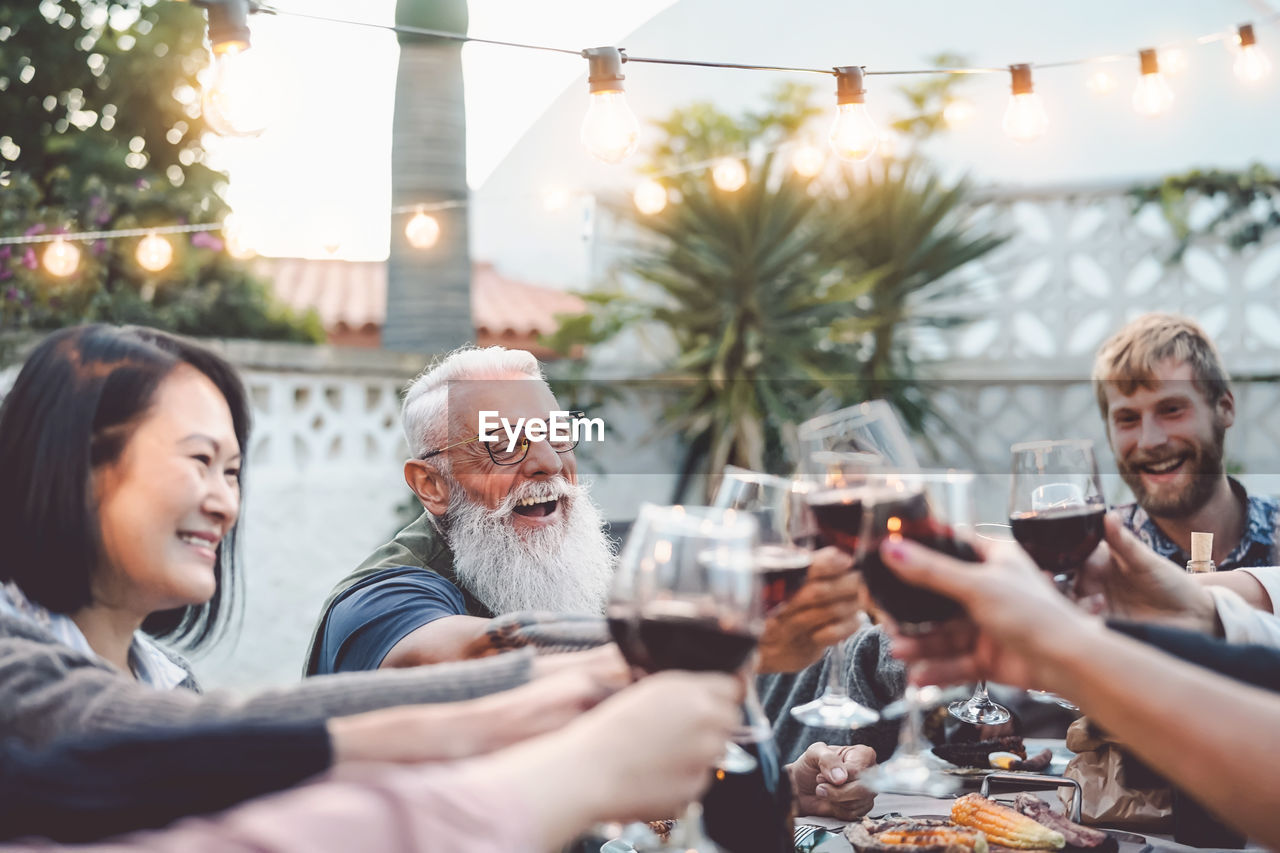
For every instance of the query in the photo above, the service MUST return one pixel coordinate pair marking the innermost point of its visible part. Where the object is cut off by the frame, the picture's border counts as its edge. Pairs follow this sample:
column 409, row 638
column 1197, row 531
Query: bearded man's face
column 1168, row 441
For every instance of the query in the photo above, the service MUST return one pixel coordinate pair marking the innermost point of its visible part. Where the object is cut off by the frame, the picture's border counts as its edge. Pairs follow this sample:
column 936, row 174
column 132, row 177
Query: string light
column 1024, row 118
column 154, row 252
column 555, row 200
column 236, row 99
column 233, row 232
column 1152, row 96
column 854, row 135
column 808, row 160
column 958, row 111
column 729, row 174
column 1102, row 83
column 422, row 231
column 650, row 197
column 1251, row 63
column 610, row 131
column 61, row 258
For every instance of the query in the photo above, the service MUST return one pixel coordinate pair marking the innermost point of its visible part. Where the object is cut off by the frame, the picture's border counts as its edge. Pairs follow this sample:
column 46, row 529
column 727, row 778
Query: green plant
column 1248, row 205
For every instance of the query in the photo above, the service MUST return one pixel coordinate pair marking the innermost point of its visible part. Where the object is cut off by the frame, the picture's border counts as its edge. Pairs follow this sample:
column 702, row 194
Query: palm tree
column 429, row 293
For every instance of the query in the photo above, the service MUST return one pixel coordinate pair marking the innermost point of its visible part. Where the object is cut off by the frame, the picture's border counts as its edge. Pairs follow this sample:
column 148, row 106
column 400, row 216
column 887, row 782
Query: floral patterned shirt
column 1256, row 548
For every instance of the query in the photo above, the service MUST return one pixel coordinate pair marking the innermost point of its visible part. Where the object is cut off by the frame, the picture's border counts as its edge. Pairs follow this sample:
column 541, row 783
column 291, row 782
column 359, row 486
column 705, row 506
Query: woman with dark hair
column 121, row 452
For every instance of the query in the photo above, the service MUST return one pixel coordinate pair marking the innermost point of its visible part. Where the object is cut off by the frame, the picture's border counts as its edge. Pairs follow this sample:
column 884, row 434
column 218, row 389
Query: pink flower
column 38, row 228
column 29, row 259
column 207, row 240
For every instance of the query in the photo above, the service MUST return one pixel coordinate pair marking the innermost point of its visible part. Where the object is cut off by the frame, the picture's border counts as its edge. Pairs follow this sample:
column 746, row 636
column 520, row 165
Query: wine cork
column 1201, row 547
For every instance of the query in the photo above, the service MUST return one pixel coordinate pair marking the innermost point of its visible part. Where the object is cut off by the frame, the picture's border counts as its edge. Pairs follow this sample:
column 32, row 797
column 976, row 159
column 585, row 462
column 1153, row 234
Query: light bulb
column 233, row 232
column 555, row 200
column 610, row 131
column 1152, row 96
column 853, row 135
column 1024, row 118
column 808, row 160
column 1251, row 63
column 238, row 96
column 650, row 197
column 154, row 252
column 729, row 174
column 957, row 112
column 61, row 258
column 422, row 231
column 1102, row 83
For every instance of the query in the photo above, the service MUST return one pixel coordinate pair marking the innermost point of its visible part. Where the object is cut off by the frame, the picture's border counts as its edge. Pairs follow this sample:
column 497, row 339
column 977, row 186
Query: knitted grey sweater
column 48, row 690
column 871, row 676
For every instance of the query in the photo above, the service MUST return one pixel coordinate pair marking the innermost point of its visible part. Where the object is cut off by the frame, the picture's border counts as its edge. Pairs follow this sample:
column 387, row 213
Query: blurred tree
column 100, row 128
column 790, row 292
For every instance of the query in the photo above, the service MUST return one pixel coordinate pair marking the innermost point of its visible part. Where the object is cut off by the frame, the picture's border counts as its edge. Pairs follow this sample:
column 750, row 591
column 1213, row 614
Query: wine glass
column 786, row 528
column 836, row 504
column 1056, row 507
column 869, row 427
column 929, row 507
column 694, row 604
column 787, row 534
column 1056, row 504
column 979, row 709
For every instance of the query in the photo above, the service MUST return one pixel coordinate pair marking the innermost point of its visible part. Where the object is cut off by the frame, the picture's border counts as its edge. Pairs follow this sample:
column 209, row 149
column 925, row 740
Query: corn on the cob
column 935, row 836
column 1003, row 825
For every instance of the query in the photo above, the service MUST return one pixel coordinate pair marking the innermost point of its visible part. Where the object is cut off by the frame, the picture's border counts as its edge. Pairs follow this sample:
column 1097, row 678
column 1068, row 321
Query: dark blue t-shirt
column 380, row 611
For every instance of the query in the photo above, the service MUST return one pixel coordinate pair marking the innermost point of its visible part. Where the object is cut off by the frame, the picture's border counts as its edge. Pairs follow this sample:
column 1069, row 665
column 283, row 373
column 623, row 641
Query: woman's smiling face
column 169, row 499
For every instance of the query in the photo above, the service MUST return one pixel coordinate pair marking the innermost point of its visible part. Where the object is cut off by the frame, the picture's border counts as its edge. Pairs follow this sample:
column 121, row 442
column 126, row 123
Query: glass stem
column 836, row 673
column 909, row 739
column 980, row 696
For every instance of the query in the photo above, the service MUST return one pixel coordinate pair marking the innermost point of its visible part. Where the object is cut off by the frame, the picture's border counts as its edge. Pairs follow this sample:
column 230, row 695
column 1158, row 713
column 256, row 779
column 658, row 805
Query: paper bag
column 1118, row 790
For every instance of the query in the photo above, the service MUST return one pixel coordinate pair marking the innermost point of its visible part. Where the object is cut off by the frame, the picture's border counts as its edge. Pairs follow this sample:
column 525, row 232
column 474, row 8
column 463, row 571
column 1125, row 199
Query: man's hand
column 825, row 781
column 824, row 612
column 1141, row 585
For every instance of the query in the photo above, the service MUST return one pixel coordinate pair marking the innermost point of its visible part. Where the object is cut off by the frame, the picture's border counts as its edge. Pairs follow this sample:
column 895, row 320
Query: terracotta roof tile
column 353, row 295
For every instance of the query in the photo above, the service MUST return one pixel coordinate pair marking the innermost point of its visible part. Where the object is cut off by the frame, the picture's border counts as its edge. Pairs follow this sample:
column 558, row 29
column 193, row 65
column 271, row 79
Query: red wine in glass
column 782, row 572
column 839, row 516
column 908, row 516
column 1059, row 539
column 674, row 638
column 625, row 632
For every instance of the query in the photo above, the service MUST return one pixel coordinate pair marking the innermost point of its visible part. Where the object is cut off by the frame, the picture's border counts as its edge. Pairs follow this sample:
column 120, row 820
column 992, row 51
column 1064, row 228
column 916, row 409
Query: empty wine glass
column 869, row 427
column 926, row 507
column 836, row 504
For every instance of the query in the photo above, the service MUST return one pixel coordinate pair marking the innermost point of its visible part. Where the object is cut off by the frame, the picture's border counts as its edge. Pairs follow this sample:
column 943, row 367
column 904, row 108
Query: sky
column 318, row 177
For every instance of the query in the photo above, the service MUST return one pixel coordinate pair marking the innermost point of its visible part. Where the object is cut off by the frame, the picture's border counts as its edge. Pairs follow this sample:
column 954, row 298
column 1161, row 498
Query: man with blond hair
column 1167, row 402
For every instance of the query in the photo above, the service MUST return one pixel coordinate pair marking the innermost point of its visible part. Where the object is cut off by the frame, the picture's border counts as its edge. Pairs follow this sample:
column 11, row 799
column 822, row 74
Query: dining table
column 918, row 805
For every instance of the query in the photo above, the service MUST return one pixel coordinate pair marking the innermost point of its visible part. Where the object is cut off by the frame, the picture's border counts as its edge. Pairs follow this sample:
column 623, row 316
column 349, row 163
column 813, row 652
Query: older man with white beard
column 506, row 526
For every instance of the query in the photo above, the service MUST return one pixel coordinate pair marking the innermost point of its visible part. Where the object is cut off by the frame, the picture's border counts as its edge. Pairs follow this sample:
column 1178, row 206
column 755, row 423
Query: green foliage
column 101, row 128
column 786, row 293
column 1248, row 205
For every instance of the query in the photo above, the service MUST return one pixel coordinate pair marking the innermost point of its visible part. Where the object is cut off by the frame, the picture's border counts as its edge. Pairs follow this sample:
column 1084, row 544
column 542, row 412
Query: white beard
column 564, row 568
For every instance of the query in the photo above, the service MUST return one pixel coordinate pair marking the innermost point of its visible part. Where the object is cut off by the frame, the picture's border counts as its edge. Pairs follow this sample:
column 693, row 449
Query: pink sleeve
column 391, row 809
